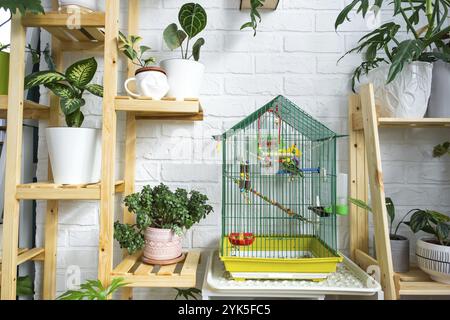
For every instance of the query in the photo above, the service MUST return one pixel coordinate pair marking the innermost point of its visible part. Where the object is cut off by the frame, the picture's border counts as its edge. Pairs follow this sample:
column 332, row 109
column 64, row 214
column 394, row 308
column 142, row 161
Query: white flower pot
column 434, row 260
column 185, row 77
column 150, row 82
column 84, row 4
column 75, row 155
column 405, row 97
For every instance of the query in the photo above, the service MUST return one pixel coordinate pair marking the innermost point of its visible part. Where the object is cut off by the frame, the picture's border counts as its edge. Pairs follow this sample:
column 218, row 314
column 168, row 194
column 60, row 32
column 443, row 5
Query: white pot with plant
column 75, row 152
column 91, row 5
column 401, row 70
column 433, row 253
column 161, row 218
column 185, row 76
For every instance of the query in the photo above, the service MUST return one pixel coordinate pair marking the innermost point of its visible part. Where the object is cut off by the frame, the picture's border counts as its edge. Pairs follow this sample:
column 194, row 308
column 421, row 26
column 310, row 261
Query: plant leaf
column 173, row 37
column 75, row 119
column 25, row 286
column 361, row 204
column 390, row 209
column 70, row 105
column 42, row 78
column 82, row 72
column 192, row 18
column 61, row 90
column 95, row 89
column 196, row 48
column 33, row 6
column 406, row 52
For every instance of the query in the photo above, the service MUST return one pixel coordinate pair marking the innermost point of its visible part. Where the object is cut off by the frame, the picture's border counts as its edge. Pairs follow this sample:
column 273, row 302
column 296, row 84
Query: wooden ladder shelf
column 366, row 169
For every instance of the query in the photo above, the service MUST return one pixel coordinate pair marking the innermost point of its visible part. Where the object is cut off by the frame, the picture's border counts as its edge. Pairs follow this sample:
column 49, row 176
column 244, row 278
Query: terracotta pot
column 161, row 244
column 434, row 259
column 150, row 82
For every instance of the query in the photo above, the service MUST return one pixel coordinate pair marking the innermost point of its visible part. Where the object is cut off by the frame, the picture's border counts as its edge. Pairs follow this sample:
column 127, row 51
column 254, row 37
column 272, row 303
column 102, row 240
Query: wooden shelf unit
column 366, row 168
column 268, row 4
column 31, row 110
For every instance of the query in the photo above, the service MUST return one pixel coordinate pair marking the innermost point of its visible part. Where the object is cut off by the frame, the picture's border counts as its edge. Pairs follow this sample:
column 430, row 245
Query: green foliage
column 159, row 207
column 187, row 294
column 431, row 222
column 24, row 287
column 441, row 149
column 254, row 15
column 93, row 290
column 36, row 56
column 361, row 204
column 383, row 45
column 193, row 19
column 137, row 54
column 70, row 87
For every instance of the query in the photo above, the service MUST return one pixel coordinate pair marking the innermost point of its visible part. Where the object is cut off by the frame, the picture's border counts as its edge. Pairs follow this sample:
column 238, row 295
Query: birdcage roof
column 290, row 114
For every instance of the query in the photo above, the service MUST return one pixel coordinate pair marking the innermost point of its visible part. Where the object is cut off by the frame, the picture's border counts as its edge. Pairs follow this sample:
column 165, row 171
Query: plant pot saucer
column 163, row 262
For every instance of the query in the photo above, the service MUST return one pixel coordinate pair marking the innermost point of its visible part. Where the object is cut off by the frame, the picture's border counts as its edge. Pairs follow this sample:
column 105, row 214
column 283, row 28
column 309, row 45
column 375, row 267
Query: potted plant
column 23, row 6
column 401, row 70
column 150, row 81
column 75, row 152
column 161, row 218
column 433, row 253
column 399, row 244
column 93, row 290
column 185, row 76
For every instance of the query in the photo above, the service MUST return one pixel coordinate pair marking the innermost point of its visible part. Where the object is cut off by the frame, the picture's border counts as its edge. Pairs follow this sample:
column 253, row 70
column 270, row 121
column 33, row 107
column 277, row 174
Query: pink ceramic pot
column 161, row 244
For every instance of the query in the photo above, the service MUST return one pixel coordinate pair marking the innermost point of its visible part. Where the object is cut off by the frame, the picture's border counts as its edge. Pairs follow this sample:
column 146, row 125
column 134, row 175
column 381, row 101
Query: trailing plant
column 441, row 149
column 138, row 55
column 93, row 290
column 384, row 45
column 193, row 19
column 159, row 207
column 255, row 5
column 70, row 87
column 36, row 56
column 432, row 222
column 187, row 294
column 390, row 208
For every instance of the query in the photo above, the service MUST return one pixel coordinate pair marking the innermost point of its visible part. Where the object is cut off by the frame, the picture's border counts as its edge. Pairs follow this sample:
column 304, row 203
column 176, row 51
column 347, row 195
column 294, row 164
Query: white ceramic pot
column 162, row 244
column 75, row 155
column 150, row 82
column 434, row 259
column 84, row 4
column 185, row 77
column 405, row 97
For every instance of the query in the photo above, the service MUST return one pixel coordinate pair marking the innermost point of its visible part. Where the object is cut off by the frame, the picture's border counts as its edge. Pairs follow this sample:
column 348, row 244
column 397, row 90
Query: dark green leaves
column 441, row 149
column 25, row 287
column 93, row 290
column 43, row 78
column 361, row 204
column 390, row 209
column 406, row 52
column 192, row 18
column 33, row 6
column 191, row 293
column 431, row 222
column 174, row 37
column 255, row 17
column 70, row 105
column 82, row 72
column 196, row 48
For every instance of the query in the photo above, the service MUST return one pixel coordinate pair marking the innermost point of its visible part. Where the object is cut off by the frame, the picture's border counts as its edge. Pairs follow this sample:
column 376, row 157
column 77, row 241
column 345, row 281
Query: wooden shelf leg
column 13, row 159
column 380, row 217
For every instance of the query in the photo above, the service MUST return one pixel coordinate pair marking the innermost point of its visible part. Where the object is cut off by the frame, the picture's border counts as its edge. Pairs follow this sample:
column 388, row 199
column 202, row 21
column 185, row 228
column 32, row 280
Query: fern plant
column 70, row 87
column 93, row 290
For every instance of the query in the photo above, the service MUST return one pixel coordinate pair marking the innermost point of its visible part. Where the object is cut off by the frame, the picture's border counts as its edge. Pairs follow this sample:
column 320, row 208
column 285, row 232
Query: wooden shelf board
column 52, row 191
column 418, row 283
column 138, row 274
column 402, row 122
column 25, row 255
column 64, row 19
column 268, row 4
column 31, row 110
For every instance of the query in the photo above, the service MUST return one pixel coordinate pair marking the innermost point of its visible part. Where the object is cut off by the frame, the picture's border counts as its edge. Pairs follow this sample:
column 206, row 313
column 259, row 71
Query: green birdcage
column 279, row 195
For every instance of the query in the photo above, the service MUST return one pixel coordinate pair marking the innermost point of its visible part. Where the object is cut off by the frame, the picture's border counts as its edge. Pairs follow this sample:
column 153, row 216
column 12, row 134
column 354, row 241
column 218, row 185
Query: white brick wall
column 293, row 54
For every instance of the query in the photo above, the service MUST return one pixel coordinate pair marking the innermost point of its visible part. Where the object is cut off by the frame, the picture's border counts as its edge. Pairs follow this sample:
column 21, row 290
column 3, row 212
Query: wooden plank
column 19, row 251
column 57, row 194
column 127, row 263
column 29, row 255
column 191, row 263
column 78, row 35
column 163, row 107
column 144, row 270
column 106, row 238
column 85, row 46
column 167, row 270
column 175, row 116
column 413, row 275
column 176, row 281
column 59, row 33
column 375, row 173
column 414, row 123
column 96, row 33
column 358, row 182
column 424, row 288
column 363, row 260
column 268, row 4
column 66, row 20
column 13, row 159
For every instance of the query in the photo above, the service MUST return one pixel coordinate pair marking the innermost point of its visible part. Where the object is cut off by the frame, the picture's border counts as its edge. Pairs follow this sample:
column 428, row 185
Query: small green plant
column 191, row 293
column 432, row 222
column 36, row 56
column 441, row 150
column 159, row 207
column 93, row 290
column 24, row 287
column 255, row 5
column 70, row 87
column 193, row 19
column 138, row 55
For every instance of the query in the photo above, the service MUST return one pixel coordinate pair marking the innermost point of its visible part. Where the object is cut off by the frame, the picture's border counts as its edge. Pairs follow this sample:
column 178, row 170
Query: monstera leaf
column 81, row 73
column 192, row 18
column 43, row 78
column 173, row 36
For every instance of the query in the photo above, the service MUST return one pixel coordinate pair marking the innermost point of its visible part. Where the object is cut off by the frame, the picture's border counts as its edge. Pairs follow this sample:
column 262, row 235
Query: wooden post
column 380, row 217
column 107, row 190
column 358, row 182
column 13, row 159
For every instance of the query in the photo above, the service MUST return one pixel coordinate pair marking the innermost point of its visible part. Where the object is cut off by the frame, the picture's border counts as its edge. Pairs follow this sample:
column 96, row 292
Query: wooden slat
column 423, row 288
column 85, row 46
column 157, row 107
column 78, row 35
column 19, row 251
column 29, row 255
column 414, row 123
column 60, row 33
column 268, row 4
column 56, row 19
column 96, row 33
column 191, row 263
column 414, row 275
column 127, row 263
column 363, row 260
column 167, row 270
column 176, row 281
column 144, row 270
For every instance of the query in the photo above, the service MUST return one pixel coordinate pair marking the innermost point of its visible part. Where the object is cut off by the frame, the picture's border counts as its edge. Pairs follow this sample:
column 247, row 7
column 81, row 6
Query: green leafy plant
column 432, row 222
column 24, row 287
column 255, row 16
column 193, row 19
column 191, row 293
column 159, row 207
column 36, row 56
column 70, row 87
column 441, row 149
column 390, row 208
column 383, row 45
column 137, row 54
column 93, row 290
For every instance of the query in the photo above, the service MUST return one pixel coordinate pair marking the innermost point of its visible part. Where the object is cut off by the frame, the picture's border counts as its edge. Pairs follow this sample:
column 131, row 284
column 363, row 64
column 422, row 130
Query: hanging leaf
column 42, row 78
column 61, row 90
column 406, row 52
column 192, row 18
column 81, row 73
column 173, row 37
column 69, row 106
column 196, row 48
column 95, row 89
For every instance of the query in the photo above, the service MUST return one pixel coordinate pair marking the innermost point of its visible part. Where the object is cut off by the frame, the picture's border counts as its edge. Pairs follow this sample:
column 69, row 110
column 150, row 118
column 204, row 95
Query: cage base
column 242, row 276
